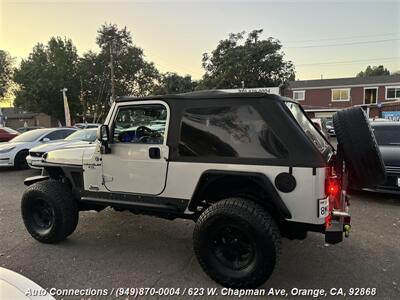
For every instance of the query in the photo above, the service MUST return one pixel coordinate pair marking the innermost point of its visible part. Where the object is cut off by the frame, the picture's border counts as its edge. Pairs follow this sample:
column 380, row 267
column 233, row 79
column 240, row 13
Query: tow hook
column 346, row 229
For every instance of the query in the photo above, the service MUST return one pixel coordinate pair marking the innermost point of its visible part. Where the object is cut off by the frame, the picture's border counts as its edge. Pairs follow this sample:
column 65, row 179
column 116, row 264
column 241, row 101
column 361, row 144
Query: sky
column 327, row 39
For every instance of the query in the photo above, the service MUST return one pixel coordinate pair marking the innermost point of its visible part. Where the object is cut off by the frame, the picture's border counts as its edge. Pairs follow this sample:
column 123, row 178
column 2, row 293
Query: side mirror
column 103, row 135
column 45, row 140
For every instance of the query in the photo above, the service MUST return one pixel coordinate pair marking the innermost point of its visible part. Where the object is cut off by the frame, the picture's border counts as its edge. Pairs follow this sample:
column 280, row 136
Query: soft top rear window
column 310, row 130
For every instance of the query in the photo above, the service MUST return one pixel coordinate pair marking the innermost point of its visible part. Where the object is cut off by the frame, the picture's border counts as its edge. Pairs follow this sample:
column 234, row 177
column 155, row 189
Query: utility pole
column 112, row 72
column 83, row 102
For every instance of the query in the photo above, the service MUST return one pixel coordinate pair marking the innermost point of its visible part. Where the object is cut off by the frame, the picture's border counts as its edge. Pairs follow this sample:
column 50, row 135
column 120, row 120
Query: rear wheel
column 237, row 243
column 49, row 211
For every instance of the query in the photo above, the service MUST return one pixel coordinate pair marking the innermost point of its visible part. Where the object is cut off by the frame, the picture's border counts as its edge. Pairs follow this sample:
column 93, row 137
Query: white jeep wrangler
column 248, row 168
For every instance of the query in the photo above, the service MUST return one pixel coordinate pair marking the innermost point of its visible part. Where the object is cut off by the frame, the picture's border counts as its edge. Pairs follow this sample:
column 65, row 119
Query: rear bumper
column 337, row 223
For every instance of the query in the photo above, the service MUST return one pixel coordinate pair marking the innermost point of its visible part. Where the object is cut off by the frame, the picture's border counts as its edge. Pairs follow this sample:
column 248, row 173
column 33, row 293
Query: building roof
column 14, row 113
column 349, row 81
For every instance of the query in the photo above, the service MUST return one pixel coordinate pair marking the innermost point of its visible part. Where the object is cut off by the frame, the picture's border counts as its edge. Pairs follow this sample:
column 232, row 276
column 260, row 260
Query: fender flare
column 31, row 180
column 210, row 176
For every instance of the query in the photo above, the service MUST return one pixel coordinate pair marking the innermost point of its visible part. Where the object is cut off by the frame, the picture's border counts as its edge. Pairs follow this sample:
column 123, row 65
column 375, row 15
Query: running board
column 131, row 204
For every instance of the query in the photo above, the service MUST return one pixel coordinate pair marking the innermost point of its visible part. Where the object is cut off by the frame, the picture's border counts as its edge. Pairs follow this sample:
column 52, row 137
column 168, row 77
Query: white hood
column 70, row 155
column 59, row 145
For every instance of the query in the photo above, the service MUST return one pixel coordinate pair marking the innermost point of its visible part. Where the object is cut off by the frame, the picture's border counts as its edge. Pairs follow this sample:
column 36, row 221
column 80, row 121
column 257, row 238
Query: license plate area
column 323, row 208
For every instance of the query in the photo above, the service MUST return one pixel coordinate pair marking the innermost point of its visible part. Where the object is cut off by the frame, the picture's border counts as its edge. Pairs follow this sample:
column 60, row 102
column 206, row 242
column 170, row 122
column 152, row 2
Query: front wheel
column 49, row 211
column 20, row 162
column 237, row 243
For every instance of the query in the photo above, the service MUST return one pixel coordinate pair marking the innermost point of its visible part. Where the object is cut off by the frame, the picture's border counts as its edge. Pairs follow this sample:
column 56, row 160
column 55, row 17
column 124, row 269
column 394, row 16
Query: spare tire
column 360, row 150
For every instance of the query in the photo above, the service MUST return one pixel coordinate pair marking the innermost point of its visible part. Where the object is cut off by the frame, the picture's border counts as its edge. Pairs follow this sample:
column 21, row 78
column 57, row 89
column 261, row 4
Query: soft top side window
column 312, row 133
column 228, row 131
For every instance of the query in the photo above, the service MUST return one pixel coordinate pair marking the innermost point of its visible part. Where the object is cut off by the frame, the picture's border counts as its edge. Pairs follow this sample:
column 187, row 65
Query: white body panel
column 129, row 169
column 71, row 156
column 302, row 202
column 182, row 179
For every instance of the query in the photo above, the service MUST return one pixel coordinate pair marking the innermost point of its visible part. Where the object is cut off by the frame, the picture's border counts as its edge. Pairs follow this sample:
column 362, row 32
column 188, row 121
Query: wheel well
column 73, row 177
column 215, row 186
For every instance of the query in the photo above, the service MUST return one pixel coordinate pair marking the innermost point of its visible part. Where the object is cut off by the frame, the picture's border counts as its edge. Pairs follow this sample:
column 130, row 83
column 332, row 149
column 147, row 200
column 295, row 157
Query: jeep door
column 139, row 155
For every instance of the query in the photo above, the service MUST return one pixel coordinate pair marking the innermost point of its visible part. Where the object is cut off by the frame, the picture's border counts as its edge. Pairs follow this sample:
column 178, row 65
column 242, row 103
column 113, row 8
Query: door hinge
column 107, row 178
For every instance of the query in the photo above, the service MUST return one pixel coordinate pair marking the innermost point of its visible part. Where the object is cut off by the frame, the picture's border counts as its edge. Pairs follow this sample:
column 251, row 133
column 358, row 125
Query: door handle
column 154, row 153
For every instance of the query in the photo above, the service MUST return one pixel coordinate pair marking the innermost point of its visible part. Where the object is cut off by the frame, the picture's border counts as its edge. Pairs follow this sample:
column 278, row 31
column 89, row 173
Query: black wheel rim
column 232, row 247
column 42, row 217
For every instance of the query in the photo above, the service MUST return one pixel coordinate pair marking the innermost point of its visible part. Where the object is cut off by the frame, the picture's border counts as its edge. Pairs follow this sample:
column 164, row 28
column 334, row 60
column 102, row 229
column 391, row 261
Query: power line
column 340, row 38
column 350, row 61
column 344, row 44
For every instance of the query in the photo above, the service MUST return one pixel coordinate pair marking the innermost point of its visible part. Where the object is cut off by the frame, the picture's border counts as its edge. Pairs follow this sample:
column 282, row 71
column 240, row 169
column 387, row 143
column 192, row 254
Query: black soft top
column 302, row 151
column 207, row 94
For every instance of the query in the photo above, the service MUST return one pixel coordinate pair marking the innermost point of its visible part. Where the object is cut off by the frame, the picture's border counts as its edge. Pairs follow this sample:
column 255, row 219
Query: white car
column 79, row 138
column 15, row 286
column 14, row 152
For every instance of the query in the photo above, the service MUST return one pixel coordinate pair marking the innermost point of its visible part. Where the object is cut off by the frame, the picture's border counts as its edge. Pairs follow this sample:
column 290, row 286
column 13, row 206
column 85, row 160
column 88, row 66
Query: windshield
column 87, row 135
column 307, row 126
column 30, row 136
column 387, row 135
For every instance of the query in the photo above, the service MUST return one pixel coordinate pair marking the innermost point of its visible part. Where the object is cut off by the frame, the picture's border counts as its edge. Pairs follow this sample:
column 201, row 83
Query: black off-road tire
column 53, row 202
column 251, row 221
column 360, row 150
column 20, row 162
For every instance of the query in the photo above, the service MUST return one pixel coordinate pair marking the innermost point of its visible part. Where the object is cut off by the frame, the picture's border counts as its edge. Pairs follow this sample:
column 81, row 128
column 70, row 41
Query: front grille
column 36, row 154
column 392, row 169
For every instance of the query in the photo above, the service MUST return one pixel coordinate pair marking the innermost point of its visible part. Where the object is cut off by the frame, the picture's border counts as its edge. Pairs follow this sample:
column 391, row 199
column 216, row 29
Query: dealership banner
column 391, row 115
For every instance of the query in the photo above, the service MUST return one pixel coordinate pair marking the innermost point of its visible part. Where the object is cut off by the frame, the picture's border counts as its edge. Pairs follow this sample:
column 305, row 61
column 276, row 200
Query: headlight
column 6, row 149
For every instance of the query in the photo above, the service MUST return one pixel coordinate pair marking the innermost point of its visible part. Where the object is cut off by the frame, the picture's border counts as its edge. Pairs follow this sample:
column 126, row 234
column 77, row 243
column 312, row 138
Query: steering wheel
column 143, row 129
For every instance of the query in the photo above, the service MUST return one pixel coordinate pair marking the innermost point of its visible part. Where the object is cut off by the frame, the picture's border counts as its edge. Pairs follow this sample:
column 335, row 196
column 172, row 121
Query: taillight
column 332, row 191
column 332, row 186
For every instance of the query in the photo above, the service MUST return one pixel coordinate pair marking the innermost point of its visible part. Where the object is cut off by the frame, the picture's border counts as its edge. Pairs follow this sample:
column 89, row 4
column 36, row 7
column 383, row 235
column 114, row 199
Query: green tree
column 94, row 82
column 6, row 71
column 374, row 71
column 41, row 76
column 133, row 74
column 253, row 62
column 172, row 83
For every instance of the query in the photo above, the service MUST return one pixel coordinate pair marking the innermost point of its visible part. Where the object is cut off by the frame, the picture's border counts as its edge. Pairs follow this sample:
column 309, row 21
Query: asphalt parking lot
column 112, row 249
